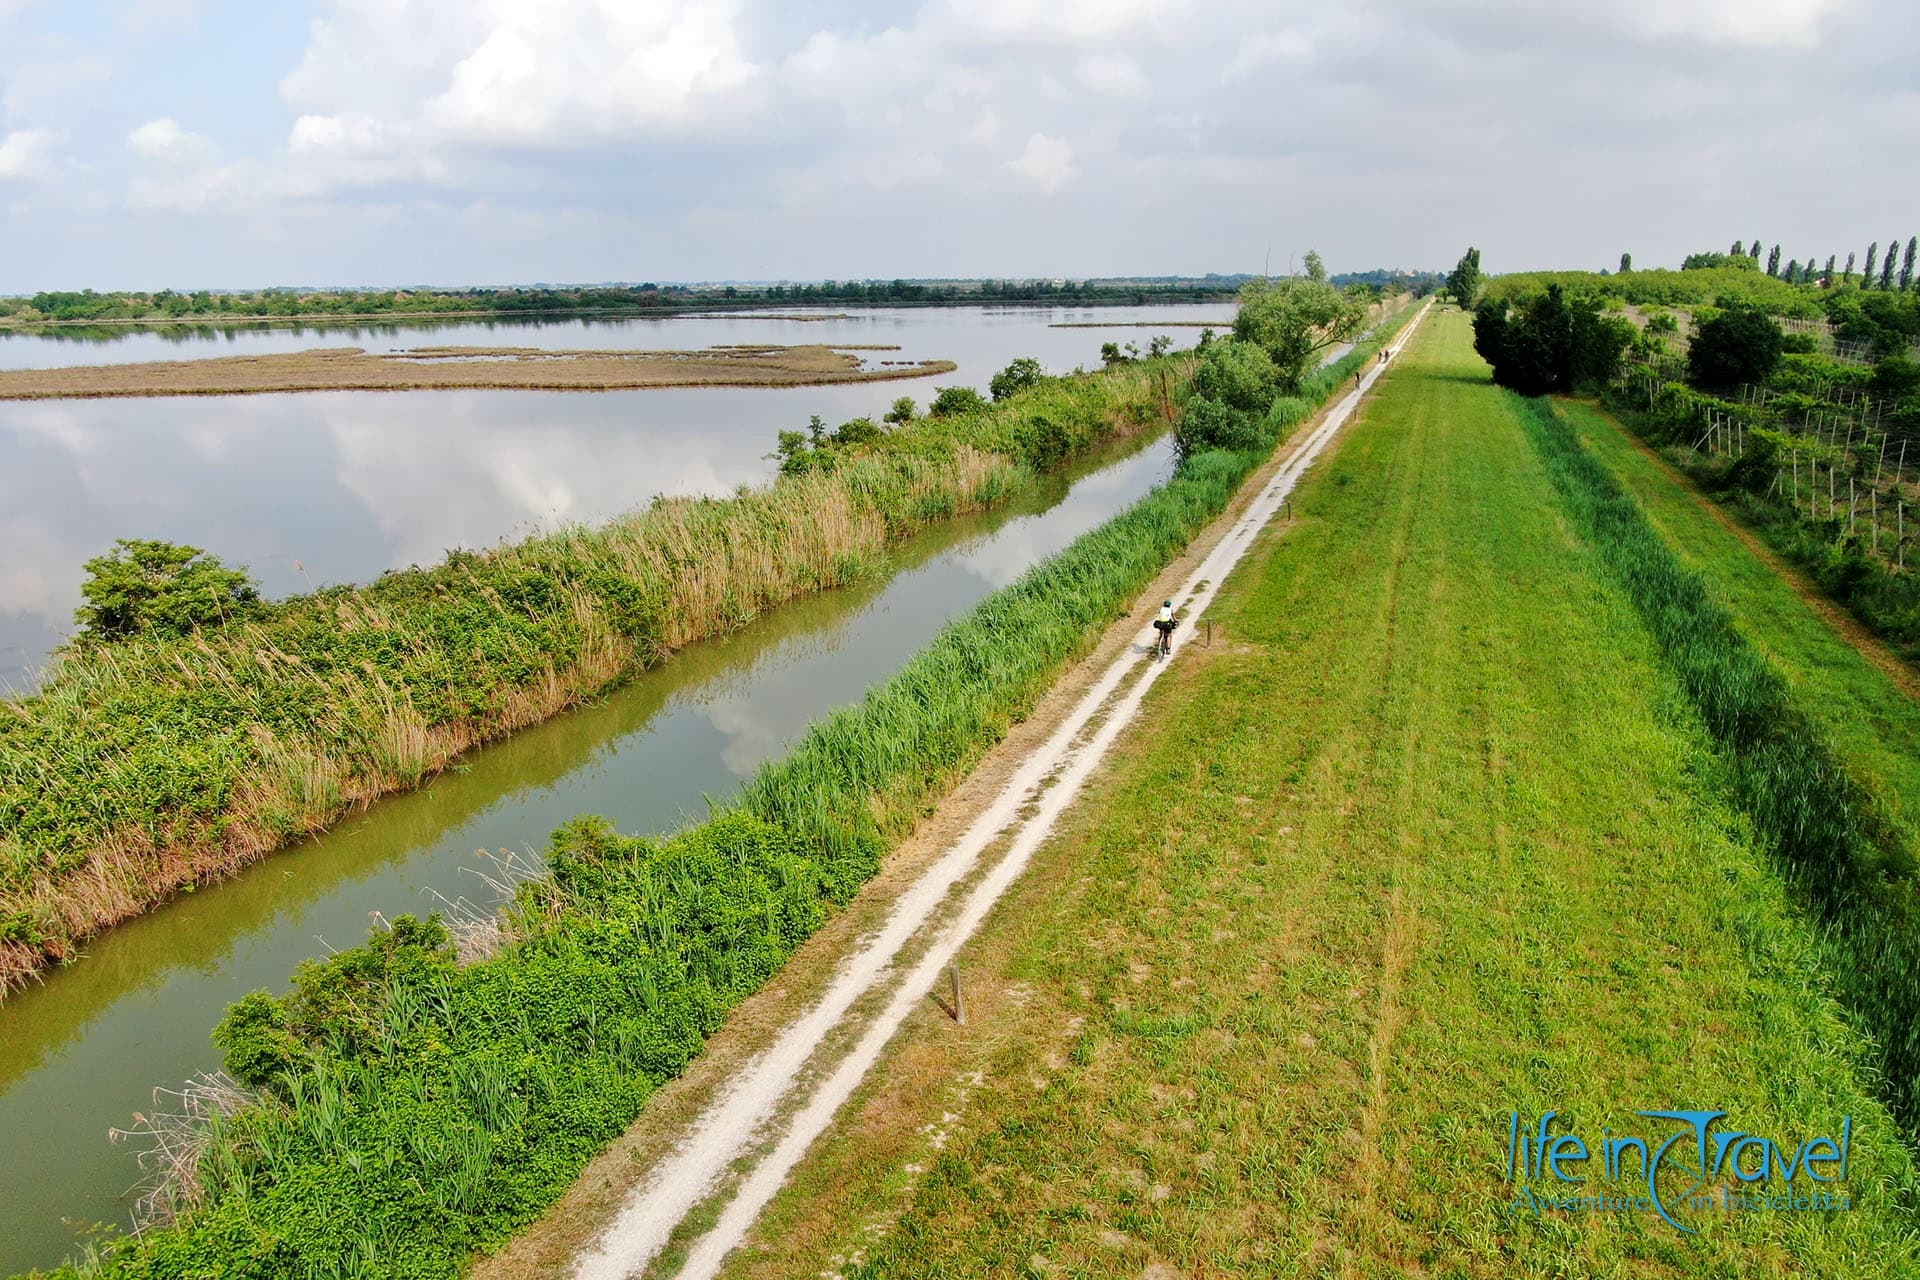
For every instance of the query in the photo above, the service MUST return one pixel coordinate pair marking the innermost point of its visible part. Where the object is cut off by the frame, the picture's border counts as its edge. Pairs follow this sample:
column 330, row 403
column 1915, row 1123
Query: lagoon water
column 83, row 1051
column 327, row 487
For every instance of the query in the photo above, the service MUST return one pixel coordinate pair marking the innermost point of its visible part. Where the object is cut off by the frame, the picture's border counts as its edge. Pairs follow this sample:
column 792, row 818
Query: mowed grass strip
column 1866, row 716
column 1431, row 835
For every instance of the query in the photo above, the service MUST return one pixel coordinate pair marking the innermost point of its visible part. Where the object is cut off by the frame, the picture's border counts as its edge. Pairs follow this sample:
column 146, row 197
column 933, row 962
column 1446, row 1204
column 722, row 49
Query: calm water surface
column 84, row 1051
column 319, row 488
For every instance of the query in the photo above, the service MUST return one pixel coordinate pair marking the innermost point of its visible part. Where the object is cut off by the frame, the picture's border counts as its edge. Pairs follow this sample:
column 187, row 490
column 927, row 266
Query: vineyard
column 1826, row 448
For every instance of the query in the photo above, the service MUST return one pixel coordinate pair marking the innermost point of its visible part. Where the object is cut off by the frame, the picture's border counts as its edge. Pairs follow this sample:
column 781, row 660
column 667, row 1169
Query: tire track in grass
column 926, row 930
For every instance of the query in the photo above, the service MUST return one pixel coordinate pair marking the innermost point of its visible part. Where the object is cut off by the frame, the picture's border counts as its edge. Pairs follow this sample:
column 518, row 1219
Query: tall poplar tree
column 1739, row 250
column 1886, row 268
column 1753, row 251
column 1773, row 262
column 1626, row 262
column 1866, row 273
column 1831, row 259
column 1906, row 263
column 1847, row 276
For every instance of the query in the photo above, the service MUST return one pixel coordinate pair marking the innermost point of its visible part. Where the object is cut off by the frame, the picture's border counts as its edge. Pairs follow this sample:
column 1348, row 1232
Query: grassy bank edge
column 1828, row 832
column 144, row 768
column 410, row 1112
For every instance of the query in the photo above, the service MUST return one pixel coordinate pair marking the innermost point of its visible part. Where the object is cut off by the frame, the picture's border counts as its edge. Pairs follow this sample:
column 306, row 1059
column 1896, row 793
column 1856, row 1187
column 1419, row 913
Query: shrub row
column 410, row 1111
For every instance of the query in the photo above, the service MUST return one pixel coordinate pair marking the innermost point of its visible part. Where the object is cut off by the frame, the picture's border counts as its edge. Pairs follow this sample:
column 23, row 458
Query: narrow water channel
column 82, row 1052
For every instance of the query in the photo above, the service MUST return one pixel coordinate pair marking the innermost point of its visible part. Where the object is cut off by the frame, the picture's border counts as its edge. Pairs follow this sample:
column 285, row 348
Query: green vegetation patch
column 411, row 1111
column 1830, row 834
column 1436, row 838
column 170, row 743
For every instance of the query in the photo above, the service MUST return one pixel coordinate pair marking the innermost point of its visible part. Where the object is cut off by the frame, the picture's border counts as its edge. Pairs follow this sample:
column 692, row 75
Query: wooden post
column 1876, row 522
column 959, row 999
column 1209, row 633
column 1880, row 465
column 1853, row 505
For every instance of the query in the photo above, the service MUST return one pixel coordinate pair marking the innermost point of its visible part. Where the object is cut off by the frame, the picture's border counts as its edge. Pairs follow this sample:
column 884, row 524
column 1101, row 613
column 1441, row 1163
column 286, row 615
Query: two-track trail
column 740, row 1148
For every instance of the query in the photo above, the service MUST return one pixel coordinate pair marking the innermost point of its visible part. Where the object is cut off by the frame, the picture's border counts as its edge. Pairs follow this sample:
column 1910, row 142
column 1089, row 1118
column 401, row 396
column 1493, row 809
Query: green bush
column 1239, row 375
column 1737, row 345
column 1206, row 423
column 953, row 401
column 143, row 588
column 1016, row 377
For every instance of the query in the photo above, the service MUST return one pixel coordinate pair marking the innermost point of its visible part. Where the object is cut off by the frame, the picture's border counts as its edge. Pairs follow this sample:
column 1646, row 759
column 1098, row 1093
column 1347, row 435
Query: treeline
column 1895, row 271
column 168, row 305
column 1800, row 416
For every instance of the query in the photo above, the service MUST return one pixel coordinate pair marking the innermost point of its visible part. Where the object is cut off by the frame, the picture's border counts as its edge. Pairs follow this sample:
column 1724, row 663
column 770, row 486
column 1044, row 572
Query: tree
column 1463, row 282
column 1773, row 261
column 950, row 401
column 1753, row 251
column 901, row 413
column 1886, row 268
column 1295, row 318
column 1740, row 344
column 1739, row 250
column 1237, row 374
column 143, row 587
column 1549, row 343
column 1205, row 423
column 1847, row 275
column 1866, row 273
column 1906, row 263
column 1793, row 271
column 1016, row 377
column 1626, row 263
column 1316, row 268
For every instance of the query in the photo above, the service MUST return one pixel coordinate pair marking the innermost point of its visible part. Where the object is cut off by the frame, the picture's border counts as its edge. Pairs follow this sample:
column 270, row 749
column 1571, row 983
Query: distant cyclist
column 1165, row 624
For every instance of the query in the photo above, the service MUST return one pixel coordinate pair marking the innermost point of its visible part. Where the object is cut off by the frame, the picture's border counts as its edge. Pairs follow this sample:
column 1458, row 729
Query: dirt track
column 791, row 1056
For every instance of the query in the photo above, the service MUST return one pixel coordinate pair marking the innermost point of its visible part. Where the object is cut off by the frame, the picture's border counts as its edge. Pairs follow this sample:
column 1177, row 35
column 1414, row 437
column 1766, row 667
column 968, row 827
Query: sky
column 221, row 144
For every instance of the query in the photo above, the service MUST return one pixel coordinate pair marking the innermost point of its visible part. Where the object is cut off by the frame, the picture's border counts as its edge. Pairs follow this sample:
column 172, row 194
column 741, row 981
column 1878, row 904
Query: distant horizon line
column 760, row 283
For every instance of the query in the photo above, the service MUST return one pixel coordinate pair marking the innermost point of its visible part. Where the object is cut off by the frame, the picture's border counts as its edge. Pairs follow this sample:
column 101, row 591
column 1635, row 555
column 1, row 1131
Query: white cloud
column 525, row 73
column 1074, row 23
column 1268, row 46
column 164, row 141
column 1114, row 74
column 1790, row 23
column 1046, row 162
column 142, row 18
column 26, row 154
column 232, row 188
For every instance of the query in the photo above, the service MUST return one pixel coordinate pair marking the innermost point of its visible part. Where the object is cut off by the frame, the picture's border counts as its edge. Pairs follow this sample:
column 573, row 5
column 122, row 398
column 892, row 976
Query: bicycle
column 1163, row 647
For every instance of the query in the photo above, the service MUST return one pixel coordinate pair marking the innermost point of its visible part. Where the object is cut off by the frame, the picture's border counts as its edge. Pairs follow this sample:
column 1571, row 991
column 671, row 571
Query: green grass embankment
column 412, row 1112
column 1432, row 837
column 144, row 766
column 1858, row 705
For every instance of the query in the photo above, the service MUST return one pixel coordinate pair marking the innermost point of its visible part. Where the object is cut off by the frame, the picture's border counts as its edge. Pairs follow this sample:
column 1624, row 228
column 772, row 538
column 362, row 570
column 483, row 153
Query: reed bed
column 144, row 767
column 1828, row 832
column 414, row 1109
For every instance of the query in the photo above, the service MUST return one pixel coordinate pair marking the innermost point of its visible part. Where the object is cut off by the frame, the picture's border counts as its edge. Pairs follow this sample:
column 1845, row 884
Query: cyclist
column 1165, row 624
